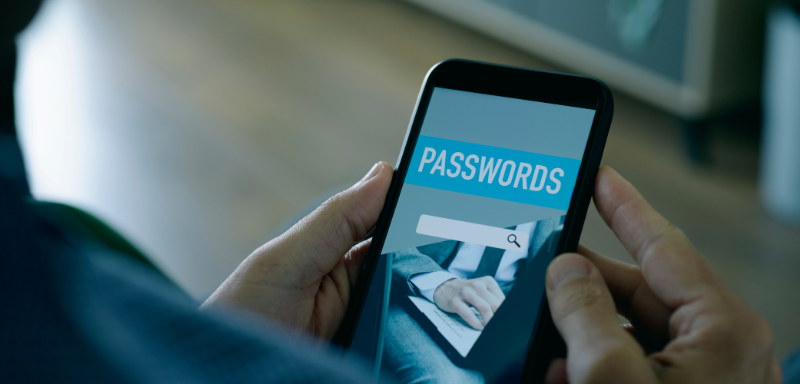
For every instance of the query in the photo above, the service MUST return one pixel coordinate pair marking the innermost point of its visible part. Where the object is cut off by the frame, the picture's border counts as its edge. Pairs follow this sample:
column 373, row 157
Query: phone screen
column 458, row 287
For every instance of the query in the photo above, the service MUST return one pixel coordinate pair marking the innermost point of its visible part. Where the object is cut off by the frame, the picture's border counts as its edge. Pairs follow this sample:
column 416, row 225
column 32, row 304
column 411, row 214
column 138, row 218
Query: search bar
column 495, row 237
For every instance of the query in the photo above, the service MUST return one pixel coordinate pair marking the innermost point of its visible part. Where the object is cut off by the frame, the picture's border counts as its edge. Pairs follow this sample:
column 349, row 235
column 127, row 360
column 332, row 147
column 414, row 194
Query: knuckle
column 656, row 246
column 334, row 200
column 763, row 339
column 719, row 335
column 748, row 347
column 468, row 291
column 741, row 335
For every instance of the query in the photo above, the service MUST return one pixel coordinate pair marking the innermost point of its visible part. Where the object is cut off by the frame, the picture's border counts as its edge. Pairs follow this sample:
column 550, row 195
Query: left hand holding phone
column 304, row 277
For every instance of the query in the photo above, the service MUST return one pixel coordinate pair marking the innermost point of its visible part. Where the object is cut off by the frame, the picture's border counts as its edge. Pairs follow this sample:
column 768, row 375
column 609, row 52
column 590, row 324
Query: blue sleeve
column 791, row 368
column 82, row 315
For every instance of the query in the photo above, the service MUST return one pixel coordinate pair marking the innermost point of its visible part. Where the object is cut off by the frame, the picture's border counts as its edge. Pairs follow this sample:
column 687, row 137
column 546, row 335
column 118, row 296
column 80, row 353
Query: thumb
column 598, row 349
column 319, row 240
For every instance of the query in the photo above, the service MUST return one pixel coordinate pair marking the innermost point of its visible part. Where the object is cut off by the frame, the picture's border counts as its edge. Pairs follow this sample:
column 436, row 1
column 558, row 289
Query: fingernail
column 374, row 171
column 565, row 269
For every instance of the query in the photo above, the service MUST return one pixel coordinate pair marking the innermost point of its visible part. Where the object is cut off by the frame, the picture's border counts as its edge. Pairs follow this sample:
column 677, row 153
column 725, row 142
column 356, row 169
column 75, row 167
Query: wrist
column 427, row 283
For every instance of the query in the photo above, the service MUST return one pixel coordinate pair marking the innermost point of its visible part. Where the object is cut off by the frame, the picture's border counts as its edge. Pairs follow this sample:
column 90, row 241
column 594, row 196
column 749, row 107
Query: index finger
column 462, row 309
column 493, row 287
column 672, row 267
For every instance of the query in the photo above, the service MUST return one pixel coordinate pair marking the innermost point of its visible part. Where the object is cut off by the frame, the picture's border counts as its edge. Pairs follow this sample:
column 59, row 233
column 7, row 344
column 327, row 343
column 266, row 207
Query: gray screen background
column 523, row 125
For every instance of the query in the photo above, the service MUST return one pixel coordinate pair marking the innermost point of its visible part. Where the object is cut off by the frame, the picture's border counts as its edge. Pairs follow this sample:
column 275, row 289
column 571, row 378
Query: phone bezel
column 514, row 82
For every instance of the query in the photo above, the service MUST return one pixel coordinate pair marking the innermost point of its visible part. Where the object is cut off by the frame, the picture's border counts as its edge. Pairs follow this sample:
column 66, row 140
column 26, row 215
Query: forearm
column 410, row 263
column 426, row 283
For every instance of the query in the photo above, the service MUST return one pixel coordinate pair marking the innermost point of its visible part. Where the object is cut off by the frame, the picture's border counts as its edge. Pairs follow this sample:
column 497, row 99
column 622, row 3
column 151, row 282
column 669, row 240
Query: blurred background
column 200, row 129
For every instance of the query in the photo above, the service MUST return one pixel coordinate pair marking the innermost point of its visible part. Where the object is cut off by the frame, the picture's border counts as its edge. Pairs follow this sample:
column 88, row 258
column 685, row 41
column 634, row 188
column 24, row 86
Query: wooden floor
column 199, row 127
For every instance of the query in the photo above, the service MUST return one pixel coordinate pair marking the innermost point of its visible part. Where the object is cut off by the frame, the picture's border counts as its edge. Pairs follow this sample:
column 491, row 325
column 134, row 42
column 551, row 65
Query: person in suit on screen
column 456, row 276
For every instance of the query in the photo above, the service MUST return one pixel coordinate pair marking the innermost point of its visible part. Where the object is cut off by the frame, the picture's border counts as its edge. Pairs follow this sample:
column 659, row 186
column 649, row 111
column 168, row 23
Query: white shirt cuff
column 427, row 283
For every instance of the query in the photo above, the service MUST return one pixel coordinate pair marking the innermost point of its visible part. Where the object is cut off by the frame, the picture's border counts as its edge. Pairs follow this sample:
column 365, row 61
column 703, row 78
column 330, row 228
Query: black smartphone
column 493, row 181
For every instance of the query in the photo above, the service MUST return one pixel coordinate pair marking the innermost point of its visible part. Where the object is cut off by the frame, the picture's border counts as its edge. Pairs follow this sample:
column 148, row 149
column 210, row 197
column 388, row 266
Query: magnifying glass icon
column 512, row 238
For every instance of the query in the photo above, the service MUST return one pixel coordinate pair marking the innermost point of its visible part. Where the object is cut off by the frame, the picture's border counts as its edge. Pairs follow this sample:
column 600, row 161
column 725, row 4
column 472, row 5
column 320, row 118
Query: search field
column 480, row 234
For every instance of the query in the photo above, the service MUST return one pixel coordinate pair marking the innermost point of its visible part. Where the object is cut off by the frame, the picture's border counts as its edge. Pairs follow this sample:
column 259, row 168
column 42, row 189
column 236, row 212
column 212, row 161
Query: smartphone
column 493, row 181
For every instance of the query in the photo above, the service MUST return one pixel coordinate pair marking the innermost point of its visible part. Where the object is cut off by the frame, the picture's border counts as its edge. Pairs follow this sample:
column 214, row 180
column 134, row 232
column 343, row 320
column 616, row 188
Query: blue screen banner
column 494, row 172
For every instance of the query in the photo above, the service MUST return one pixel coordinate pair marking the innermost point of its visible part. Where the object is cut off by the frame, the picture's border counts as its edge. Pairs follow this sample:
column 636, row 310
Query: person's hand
column 303, row 278
column 690, row 327
column 456, row 296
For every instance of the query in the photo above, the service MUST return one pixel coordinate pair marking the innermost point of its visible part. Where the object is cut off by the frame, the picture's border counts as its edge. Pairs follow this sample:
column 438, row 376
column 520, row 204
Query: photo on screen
column 426, row 338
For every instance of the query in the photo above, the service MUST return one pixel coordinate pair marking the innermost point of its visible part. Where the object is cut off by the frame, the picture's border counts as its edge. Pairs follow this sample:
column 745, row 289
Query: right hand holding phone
column 483, row 293
column 690, row 327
